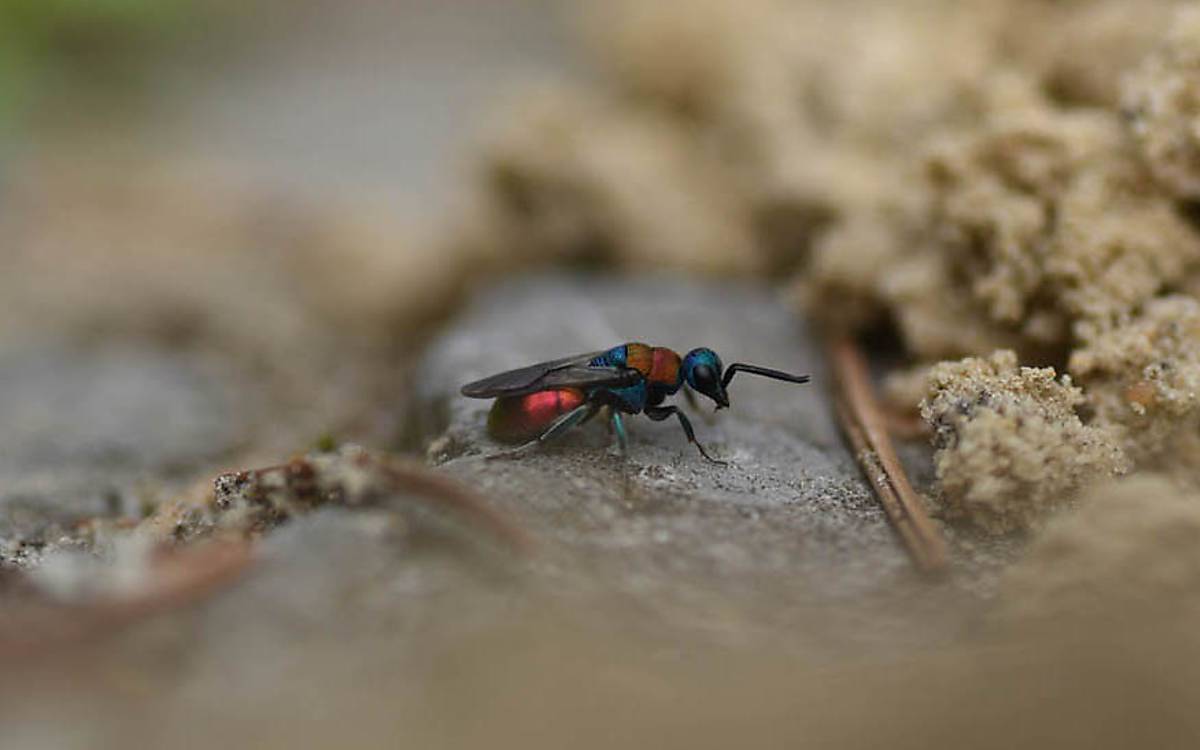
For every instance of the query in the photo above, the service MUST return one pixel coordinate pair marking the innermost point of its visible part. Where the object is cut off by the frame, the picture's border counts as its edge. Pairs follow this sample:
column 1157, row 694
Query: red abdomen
column 515, row 419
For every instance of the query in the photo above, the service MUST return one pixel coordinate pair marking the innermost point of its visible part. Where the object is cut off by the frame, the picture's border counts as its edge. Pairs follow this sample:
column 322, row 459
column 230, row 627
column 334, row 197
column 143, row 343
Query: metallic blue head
column 702, row 371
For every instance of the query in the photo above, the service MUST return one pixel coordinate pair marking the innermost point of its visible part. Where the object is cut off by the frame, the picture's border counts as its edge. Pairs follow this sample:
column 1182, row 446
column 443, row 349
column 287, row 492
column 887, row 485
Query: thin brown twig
column 866, row 429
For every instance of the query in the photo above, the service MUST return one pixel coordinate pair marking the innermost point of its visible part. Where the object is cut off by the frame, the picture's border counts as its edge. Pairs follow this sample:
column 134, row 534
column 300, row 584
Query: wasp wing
column 568, row 372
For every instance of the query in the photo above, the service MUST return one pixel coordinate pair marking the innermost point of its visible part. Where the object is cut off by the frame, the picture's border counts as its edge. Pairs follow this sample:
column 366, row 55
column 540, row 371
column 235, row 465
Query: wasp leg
column 572, row 418
column 618, row 424
column 659, row 413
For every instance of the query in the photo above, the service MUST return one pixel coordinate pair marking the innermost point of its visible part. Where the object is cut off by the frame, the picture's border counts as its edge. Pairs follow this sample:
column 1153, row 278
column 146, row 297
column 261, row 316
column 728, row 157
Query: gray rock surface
column 788, row 527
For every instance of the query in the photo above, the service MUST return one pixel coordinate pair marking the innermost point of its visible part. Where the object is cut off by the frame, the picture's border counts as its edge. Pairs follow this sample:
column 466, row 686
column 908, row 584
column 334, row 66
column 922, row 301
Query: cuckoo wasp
column 538, row 403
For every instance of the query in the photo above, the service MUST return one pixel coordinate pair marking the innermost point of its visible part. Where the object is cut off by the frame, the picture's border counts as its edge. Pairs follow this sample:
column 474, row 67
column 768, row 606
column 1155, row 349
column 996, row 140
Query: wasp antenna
column 766, row 372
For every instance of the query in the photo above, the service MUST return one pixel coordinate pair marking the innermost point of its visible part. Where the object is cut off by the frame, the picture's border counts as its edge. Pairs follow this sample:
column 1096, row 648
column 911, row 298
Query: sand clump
column 578, row 180
column 1161, row 101
column 1143, row 378
column 1047, row 218
column 1010, row 447
column 1029, row 228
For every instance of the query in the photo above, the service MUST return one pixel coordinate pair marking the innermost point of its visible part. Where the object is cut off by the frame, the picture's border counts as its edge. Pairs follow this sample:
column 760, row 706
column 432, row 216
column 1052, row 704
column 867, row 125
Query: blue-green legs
column 622, row 439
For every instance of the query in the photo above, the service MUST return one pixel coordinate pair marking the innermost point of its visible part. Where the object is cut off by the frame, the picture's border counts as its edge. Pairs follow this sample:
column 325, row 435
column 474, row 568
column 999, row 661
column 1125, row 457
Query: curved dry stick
column 866, row 429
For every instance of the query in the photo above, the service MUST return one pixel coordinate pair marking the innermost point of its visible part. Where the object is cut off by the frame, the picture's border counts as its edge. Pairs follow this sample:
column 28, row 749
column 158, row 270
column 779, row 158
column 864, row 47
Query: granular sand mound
column 1010, row 447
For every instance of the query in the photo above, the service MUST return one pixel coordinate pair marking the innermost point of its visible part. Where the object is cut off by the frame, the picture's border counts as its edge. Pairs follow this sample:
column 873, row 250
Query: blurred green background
column 52, row 46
